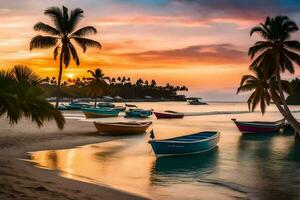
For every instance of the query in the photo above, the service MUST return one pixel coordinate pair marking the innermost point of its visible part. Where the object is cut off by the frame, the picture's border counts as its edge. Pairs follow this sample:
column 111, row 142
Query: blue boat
column 100, row 112
column 185, row 145
column 77, row 106
column 138, row 113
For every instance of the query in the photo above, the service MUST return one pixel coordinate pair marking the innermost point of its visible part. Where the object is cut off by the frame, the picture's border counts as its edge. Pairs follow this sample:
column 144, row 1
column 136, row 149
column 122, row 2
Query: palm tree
column 62, row 35
column 20, row 95
column 264, row 90
column 277, row 55
column 97, row 84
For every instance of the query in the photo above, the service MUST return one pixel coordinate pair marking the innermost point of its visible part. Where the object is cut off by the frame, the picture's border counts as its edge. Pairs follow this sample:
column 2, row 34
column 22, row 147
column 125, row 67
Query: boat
column 258, row 126
column 120, row 108
column 130, row 105
column 196, row 101
column 62, row 107
column 77, row 106
column 106, row 105
column 138, row 113
column 100, row 112
column 168, row 115
column 185, row 145
column 122, row 127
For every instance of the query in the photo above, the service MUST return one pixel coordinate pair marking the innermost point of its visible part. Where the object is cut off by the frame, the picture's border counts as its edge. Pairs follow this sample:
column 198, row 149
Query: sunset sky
column 198, row 43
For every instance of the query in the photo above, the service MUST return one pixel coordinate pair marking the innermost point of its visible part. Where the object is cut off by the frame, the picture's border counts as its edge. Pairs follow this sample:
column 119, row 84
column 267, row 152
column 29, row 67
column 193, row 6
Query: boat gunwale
column 123, row 124
column 171, row 140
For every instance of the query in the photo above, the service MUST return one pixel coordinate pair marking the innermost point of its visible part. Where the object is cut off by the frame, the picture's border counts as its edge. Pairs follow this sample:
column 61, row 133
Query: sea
column 255, row 166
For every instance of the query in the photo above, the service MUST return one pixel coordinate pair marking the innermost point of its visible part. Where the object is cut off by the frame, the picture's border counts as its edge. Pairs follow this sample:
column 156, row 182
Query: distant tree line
column 116, row 86
column 294, row 98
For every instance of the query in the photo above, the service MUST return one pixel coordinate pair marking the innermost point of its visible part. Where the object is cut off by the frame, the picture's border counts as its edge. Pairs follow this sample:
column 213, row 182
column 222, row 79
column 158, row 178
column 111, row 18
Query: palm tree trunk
column 287, row 113
column 59, row 80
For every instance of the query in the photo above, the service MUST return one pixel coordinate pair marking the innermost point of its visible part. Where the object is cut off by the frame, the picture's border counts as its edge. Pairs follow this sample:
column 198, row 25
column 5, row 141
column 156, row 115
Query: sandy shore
column 20, row 180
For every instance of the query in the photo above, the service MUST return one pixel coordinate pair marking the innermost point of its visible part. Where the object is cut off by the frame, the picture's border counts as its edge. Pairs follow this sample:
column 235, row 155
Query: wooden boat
column 138, row 113
column 130, row 105
column 185, row 145
column 120, row 108
column 196, row 101
column 106, row 105
column 77, row 106
column 168, row 115
column 122, row 127
column 100, row 112
column 62, row 107
column 258, row 126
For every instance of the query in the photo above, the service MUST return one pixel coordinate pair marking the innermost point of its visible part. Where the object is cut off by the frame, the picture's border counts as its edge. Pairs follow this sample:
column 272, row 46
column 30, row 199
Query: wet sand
column 20, row 180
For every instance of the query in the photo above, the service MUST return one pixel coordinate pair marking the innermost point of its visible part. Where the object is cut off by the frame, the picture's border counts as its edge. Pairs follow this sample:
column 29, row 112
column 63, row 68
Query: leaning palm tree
column 276, row 54
column 21, row 96
column 264, row 90
column 97, row 84
column 62, row 35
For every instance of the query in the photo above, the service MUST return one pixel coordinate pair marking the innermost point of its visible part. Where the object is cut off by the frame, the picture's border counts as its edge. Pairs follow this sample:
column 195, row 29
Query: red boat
column 168, row 115
column 258, row 126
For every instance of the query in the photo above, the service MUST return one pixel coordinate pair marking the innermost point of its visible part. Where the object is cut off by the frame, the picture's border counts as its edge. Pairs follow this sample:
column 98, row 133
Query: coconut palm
column 21, row 96
column 97, row 83
column 275, row 54
column 62, row 35
column 264, row 90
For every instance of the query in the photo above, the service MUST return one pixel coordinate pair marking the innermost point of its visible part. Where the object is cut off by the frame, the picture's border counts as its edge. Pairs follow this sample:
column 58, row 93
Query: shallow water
column 242, row 166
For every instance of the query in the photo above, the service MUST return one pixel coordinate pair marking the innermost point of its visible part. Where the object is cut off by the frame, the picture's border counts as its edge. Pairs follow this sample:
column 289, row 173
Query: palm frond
column 75, row 17
column 40, row 26
column 84, row 43
column 85, row 31
column 42, row 42
column 259, row 46
column 74, row 54
column 55, row 52
column 56, row 15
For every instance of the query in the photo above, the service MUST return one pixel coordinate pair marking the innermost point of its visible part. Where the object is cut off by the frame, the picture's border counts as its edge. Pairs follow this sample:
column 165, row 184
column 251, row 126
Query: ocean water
column 264, row 166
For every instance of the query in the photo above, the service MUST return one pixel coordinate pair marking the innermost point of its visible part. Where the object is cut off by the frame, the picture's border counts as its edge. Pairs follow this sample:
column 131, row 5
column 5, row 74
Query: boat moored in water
column 138, row 113
column 196, row 101
column 185, row 145
column 259, row 126
column 168, row 115
column 100, row 112
column 77, row 106
column 122, row 127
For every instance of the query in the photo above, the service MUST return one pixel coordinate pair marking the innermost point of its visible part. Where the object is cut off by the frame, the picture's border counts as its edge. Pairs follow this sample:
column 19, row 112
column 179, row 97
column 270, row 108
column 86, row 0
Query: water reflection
column 259, row 166
column 170, row 170
column 271, row 162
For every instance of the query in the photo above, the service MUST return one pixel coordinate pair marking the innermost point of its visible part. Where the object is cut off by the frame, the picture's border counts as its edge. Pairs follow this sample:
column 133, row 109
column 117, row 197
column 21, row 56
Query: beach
column 78, row 163
column 20, row 180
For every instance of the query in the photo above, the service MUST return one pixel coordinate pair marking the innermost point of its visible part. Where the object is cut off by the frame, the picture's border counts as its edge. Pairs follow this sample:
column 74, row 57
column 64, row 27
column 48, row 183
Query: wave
column 229, row 185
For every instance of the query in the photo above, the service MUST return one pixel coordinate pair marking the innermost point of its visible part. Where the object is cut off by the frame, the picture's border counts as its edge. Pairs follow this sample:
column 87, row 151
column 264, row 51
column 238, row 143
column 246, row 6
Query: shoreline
column 20, row 179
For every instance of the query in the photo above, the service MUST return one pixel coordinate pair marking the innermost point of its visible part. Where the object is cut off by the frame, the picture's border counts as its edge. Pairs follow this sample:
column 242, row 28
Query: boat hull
column 100, row 113
column 168, row 115
column 258, row 127
column 138, row 113
column 122, row 128
column 164, row 148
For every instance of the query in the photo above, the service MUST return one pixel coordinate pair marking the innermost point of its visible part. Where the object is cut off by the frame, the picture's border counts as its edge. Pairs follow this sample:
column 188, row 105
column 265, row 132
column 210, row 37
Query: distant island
column 294, row 99
column 120, row 87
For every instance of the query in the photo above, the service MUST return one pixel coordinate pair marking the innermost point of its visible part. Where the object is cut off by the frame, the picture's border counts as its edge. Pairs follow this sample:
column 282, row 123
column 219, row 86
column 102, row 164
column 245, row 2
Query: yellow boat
column 118, row 128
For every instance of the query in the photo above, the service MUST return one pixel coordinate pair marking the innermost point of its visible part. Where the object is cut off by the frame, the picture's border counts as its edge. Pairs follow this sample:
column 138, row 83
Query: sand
column 21, row 180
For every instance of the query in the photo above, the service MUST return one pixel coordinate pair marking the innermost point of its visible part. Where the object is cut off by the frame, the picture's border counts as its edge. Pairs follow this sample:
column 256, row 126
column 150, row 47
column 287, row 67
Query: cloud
column 216, row 54
column 244, row 13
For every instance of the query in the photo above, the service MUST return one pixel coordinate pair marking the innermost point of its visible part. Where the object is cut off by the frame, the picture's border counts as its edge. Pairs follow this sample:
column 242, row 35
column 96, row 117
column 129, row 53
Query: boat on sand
column 168, row 115
column 100, row 112
column 122, row 127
